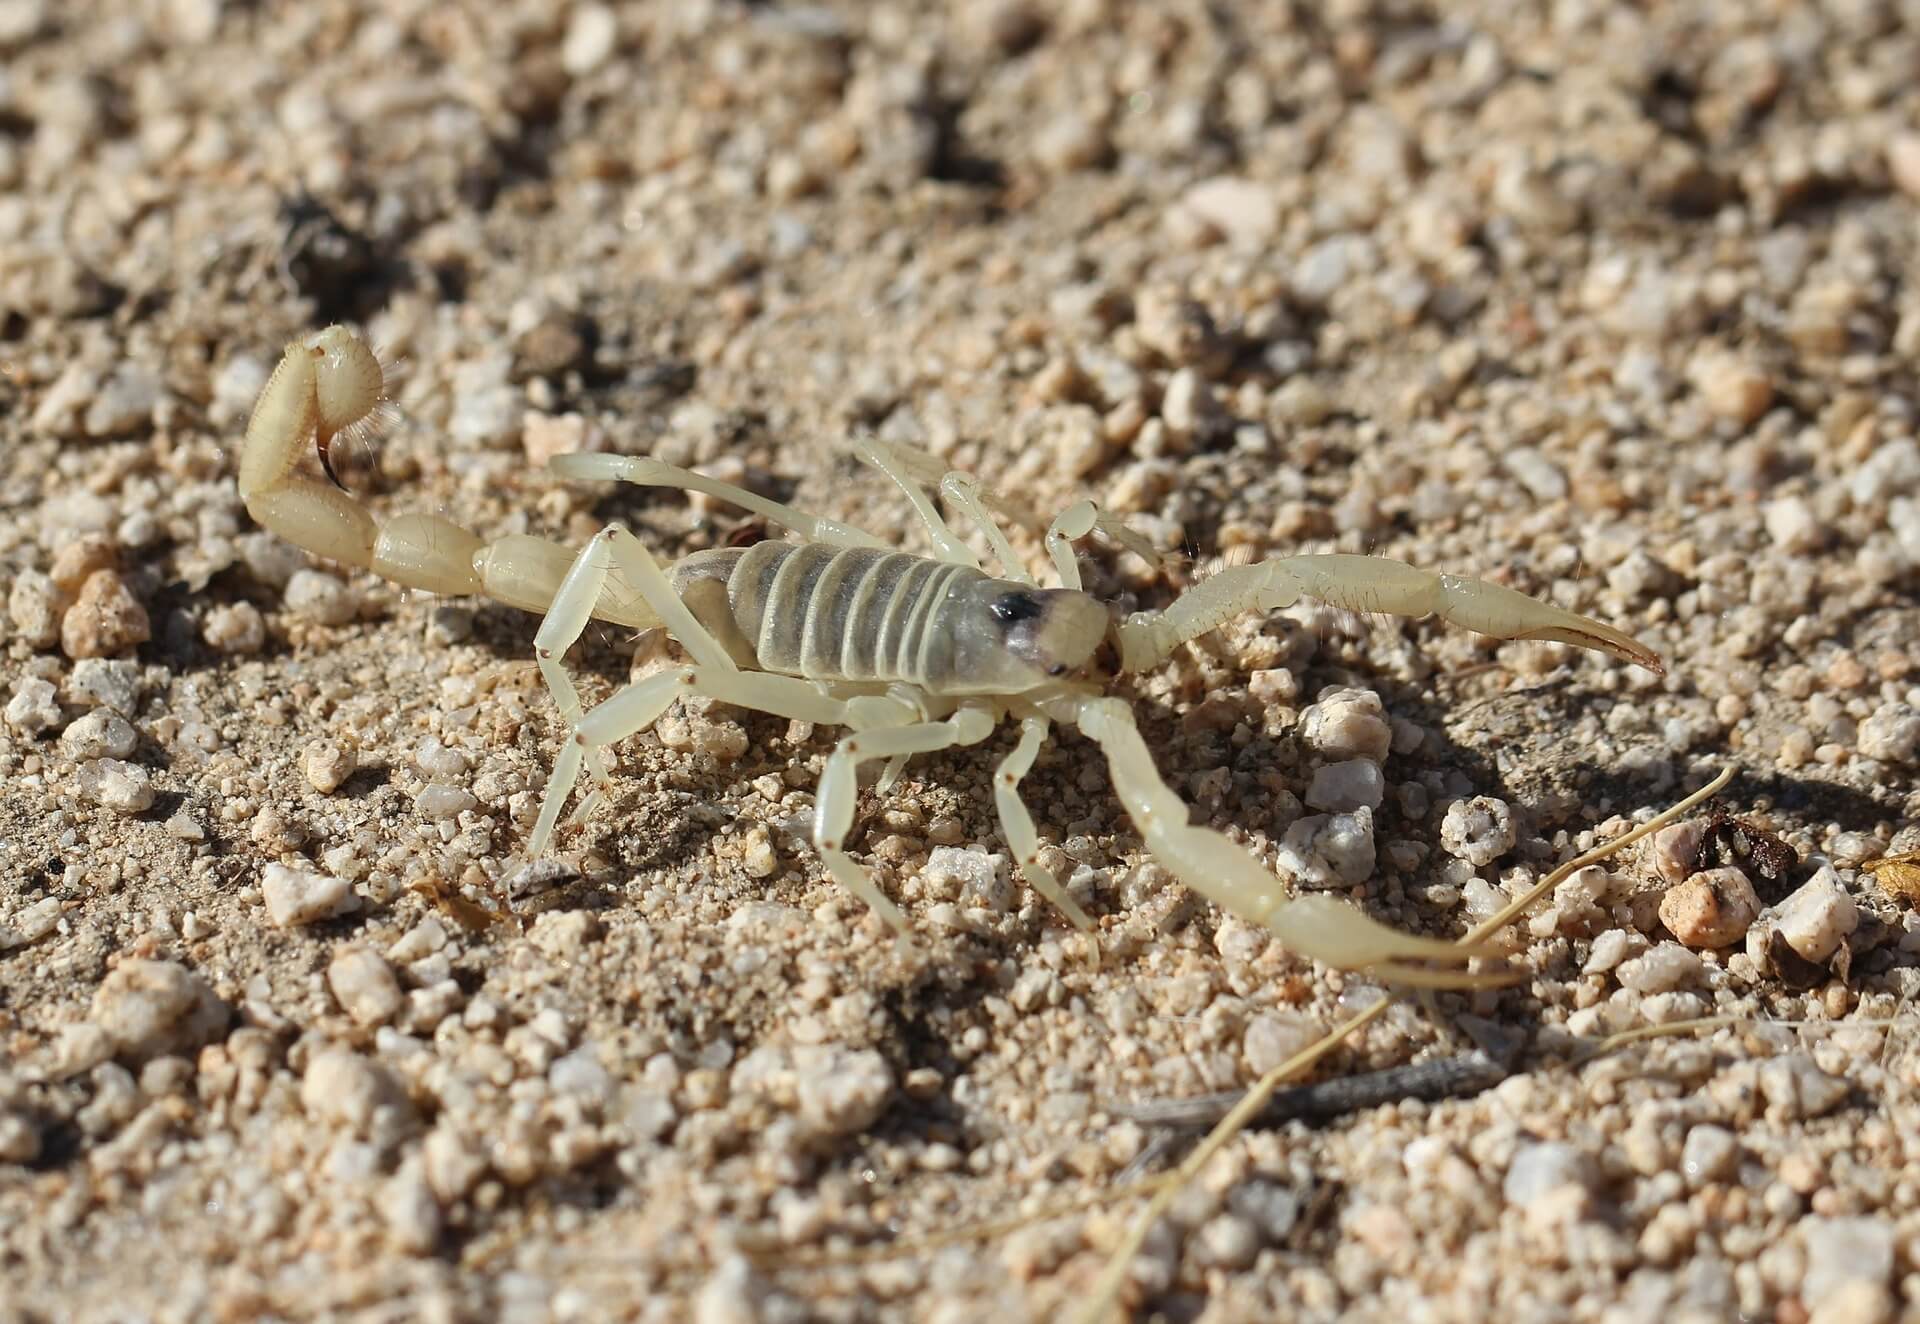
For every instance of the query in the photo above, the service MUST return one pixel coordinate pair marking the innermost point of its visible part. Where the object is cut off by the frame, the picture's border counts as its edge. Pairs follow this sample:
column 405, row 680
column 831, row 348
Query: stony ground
column 1607, row 302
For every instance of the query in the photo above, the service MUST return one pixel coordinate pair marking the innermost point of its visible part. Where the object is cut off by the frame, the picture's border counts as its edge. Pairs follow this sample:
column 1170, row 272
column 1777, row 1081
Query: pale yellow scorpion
column 910, row 653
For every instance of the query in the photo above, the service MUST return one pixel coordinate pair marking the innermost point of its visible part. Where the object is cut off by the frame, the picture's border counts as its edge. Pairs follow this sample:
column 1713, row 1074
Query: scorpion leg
column 962, row 490
column 1018, row 821
column 833, row 812
column 1321, row 927
column 1366, row 583
column 644, row 472
column 946, row 547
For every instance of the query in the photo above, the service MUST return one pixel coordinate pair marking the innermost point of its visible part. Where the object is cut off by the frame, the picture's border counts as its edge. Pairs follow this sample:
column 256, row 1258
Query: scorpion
column 911, row 654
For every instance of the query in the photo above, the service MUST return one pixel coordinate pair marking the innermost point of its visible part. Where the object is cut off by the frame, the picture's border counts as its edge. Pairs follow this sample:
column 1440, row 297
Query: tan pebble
column 106, row 620
column 1711, row 909
column 327, row 765
column 1903, row 163
column 1676, row 848
column 80, row 558
column 1732, row 388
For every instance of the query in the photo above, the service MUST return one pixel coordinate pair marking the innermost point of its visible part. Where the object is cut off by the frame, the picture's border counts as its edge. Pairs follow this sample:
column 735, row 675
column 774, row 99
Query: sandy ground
column 1606, row 302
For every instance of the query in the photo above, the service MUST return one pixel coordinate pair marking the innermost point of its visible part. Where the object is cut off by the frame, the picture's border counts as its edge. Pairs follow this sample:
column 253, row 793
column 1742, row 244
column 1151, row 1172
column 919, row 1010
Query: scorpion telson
column 911, row 653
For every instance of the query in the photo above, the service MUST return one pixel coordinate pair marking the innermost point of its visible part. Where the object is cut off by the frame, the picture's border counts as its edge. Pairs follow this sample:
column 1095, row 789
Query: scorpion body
column 911, row 653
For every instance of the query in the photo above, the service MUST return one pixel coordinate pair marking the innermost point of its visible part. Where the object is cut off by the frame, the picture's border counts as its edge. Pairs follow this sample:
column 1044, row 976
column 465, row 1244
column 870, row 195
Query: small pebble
column 1347, row 724
column 35, row 605
column 33, row 709
column 125, row 788
column 327, row 765
column 1714, row 908
column 106, row 619
column 1796, row 1088
column 99, row 734
column 1710, row 1154
column 151, row 1008
column 1326, row 850
column 1731, row 388
column 1479, row 831
column 1350, row 784
column 364, row 985
column 1819, row 915
column 320, row 597
column 1891, row 733
column 75, row 563
column 1542, row 1168
column 1675, row 849
column 984, row 877
column 439, row 802
column 124, row 404
column 105, row 683
column 593, row 33
column 295, row 897
column 236, row 628
column 1844, row 1250
column 840, row 1091
column 1241, row 211
column 353, row 1093
column 1663, row 967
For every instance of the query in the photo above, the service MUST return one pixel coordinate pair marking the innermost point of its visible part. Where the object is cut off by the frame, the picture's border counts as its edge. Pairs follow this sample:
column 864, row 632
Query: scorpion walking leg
column 573, row 605
column 962, row 490
column 1321, row 927
column 946, row 547
column 1366, row 583
column 839, row 790
column 1018, row 822
column 643, row 472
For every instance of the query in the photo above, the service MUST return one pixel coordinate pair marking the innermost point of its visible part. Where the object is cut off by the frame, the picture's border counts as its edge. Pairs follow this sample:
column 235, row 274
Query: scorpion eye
column 1011, row 608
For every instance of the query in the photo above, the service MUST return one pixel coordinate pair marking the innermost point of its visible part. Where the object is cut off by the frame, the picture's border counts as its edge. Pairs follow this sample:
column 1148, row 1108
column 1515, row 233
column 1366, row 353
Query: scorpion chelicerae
column 910, row 653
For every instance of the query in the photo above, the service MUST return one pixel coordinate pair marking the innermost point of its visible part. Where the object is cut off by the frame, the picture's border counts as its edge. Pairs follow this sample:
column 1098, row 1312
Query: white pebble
column 1818, row 916
column 99, row 734
column 235, row 627
column 1792, row 524
column 438, row 762
column 1541, row 1168
column 295, row 897
column 125, row 788
column 1891, row 733
column 101, row 682
column 1272, row 1037
column 1675, row 849
column 1347, row 724
column 1325, row 850
column 32, row 709
column 1796, row 1088
column 1845, row 1250
column 1241, row 211
column 353, row 1092
column 840, row 1091
column 1479, row 830
column 328, row 764
column 1709, row 1155
column 1665, row 966
column 439, row 802
column 364, row 985
column 592, row 35
column 409, row 1209
column 36, row 605
column 150, row 1008
column 983, row 876
column 1350, row 784
column 320, row 597
column 124, row 404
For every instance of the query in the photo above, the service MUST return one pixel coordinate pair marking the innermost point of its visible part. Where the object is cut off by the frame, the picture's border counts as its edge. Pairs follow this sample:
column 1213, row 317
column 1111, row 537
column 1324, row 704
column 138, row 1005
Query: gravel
column 1607, row 303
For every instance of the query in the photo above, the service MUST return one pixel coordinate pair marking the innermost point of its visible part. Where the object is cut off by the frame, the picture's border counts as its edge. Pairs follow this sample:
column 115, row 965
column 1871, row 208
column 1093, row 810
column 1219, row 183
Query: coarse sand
column 1612, row 303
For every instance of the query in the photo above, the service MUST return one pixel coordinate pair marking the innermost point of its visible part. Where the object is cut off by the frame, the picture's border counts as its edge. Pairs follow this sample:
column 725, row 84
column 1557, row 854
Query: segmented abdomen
column 843, row 613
